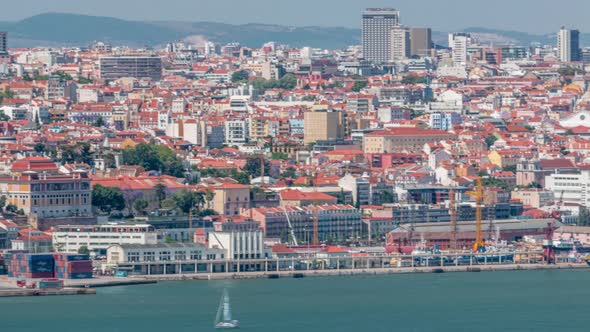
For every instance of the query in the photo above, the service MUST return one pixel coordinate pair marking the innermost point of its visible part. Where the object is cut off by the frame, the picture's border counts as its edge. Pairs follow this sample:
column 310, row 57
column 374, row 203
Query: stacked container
column 72, row 266
column 31, row 265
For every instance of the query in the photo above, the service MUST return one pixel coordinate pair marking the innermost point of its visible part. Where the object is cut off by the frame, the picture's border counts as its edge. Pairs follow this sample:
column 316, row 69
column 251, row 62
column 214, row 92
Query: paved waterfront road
column 494, row 301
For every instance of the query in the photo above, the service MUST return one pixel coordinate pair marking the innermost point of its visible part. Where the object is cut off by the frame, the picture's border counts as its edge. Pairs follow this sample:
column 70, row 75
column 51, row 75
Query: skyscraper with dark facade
column 3, row 43
column 137, row 66
column 420, row 41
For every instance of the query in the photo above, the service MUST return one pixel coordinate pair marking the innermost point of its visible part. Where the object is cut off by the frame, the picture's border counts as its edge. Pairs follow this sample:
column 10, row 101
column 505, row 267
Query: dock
column 13, row 292
column 100, row 282
column 360, row 272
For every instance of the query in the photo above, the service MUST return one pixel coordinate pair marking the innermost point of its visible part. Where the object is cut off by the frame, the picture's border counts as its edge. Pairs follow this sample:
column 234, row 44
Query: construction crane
column 453, row 214
column 479, row 244
column 548, row 248
column 316, row 240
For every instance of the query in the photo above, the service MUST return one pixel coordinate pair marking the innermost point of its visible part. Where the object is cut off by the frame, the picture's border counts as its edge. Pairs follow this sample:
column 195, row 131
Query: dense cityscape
column 203, row 160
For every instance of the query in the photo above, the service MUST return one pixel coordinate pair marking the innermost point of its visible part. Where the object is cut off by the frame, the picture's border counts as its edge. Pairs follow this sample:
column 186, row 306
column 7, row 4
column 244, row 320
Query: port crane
column 479, row 244
column 316, row 240
column 453, row 214
column 289, row 224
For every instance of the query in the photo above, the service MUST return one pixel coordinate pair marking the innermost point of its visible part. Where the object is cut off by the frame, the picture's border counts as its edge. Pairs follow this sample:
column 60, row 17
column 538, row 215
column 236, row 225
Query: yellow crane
column 478, row 195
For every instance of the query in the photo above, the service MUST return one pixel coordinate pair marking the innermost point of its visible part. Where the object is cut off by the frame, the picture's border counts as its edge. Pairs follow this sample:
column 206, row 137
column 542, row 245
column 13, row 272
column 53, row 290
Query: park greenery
column 107, row 199
column 154, row 158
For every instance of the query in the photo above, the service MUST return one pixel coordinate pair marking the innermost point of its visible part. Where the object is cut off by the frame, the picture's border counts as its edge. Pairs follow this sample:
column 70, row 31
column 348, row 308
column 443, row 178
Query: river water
column 487, row 301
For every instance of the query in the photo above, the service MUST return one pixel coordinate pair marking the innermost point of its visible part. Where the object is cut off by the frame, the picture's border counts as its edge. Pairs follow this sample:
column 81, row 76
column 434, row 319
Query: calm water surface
column 496, row 301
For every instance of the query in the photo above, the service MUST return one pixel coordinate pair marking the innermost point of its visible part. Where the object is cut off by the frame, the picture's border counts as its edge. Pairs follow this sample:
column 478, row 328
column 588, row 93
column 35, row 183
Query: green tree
column 99, row 122
column 208, row 212
column 3, row 116
column 584, row 217
column 359, row 85
column 77, row 153
column 252, row 167
column 279, row 156
column 64, row 76
column 168, row 204
column 154, row 158
column 6, row 94
column 160, row 193
column 290, row 172
column 84, row 80
column 140, row 205
column 413, row 80
column 387, row 197
column 570, row 71
column 11, row 208
column 2, row 202
column 509, row 168
column 187, row 200
column 107, row 198
column 83, row 250
column 240, row 76
column 564, row 151
column 490, row 140
column 494, row 182
column 168, row 239
column 39, row 148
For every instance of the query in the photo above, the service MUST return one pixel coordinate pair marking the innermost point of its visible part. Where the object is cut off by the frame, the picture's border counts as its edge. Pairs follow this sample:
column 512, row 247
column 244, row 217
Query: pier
column 45, row 292
column 342, row 265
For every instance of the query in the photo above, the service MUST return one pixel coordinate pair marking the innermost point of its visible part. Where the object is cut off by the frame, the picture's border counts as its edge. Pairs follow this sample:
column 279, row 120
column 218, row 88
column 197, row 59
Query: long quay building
column 97, row 238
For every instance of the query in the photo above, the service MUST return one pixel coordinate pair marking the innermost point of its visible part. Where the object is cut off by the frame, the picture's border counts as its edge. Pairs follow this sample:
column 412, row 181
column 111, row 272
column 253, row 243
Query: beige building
column 536, row 198
column 321, row 125
column 230, row 198
column 402, row 139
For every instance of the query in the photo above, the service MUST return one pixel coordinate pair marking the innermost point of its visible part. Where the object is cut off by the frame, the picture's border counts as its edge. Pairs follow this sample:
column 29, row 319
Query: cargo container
column 71, row 257
column 51, row 284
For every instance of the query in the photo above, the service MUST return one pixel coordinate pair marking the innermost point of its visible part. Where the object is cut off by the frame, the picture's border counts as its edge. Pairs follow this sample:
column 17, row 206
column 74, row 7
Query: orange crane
column 478, row 195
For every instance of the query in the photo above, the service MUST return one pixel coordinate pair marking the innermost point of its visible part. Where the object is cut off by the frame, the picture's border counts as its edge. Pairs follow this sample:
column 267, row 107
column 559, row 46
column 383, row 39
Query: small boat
column 223, row 319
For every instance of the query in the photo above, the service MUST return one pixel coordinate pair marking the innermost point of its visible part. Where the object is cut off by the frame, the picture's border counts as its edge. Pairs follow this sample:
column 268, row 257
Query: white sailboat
column 223, row 319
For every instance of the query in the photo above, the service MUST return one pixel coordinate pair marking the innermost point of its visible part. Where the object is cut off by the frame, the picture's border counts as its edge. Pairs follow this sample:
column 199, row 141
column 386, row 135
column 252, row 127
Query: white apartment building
column 459, row 42
column 98, row 238
column 236, row 132
column 568, row 45
column 239, row 245
column 400, row 43
column 572, row 188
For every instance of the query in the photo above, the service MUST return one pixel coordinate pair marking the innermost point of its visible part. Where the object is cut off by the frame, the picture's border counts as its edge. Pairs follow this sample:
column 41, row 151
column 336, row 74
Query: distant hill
column 70, row 29
column 55, row 29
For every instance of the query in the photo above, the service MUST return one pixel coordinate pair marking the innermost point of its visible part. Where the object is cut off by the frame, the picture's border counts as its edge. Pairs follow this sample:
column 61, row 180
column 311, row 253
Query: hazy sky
column 537, row 16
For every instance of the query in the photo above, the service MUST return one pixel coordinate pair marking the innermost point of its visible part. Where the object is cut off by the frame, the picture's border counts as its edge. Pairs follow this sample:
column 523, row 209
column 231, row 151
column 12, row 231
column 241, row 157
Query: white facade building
column 377, row 26
column 236, row 132
column 239, row 245
column 572, row 188
column 459, row 42
column 99, row 237
column 568, row 45
column 400, row 43
column 163, row 252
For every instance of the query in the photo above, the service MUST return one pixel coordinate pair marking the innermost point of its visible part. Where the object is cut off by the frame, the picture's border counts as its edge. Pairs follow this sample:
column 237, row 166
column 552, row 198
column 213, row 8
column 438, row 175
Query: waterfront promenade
column 344, row 265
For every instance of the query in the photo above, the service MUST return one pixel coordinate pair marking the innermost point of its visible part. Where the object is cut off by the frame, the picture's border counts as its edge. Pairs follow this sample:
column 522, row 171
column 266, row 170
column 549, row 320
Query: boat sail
column 223, row 319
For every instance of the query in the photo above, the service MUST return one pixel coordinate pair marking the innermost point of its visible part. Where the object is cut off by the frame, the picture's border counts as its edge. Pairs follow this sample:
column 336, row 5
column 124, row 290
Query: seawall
column 352, row 272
